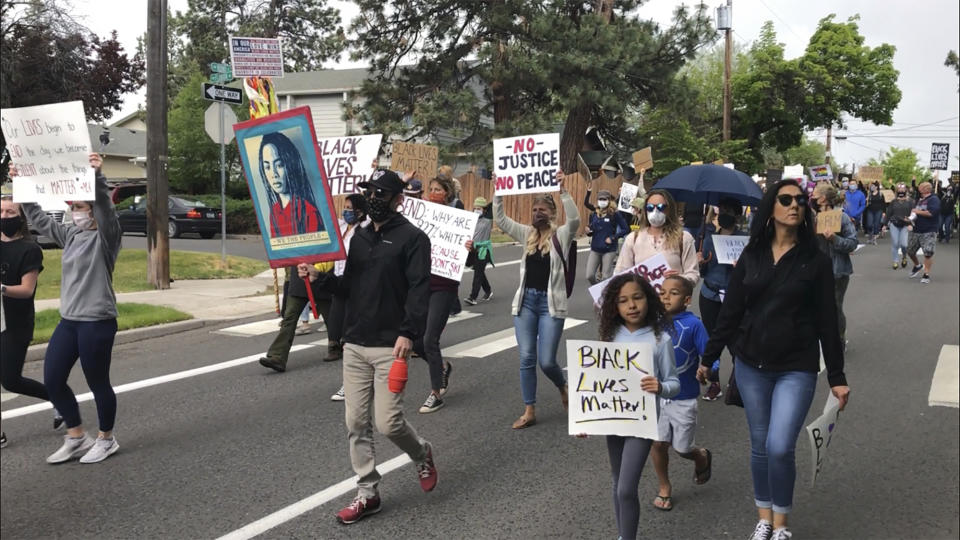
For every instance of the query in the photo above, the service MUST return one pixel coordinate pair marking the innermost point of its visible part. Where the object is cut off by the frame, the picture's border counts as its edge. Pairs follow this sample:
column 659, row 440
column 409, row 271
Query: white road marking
column 7, row 396
column 154, row 381
column 303, row 506
column 259, row 328
column 493, row 343
column 945, row 388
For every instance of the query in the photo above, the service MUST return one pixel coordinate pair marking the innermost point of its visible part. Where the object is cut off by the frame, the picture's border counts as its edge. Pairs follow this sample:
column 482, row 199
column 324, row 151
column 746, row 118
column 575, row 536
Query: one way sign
column 226, row 94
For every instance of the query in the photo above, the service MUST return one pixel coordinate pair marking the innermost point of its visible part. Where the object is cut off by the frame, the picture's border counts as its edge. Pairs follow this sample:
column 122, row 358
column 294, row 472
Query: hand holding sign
column 526, row 164
column 829, row 222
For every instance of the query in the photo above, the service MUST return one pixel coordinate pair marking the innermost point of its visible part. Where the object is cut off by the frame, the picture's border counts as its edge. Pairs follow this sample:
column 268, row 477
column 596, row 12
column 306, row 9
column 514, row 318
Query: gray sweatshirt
column 86, row 283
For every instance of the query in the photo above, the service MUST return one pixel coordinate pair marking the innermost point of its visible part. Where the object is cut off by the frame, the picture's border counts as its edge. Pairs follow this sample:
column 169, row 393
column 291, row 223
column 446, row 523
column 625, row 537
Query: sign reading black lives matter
column 526, row 164
column 939, row 156
column 605, row 393
column 348, row 161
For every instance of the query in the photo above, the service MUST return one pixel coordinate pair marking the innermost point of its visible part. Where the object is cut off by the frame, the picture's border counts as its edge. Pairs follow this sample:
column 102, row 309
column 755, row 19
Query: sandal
column 702, row 477
column 524, row 422
column 665, row 503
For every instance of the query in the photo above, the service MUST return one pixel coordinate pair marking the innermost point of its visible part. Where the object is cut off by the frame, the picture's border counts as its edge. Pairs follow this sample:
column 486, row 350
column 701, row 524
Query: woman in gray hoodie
column 88, row 323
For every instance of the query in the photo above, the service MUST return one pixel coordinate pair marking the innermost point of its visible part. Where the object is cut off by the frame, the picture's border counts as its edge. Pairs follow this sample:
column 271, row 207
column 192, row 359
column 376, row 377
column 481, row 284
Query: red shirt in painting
column 282, row 219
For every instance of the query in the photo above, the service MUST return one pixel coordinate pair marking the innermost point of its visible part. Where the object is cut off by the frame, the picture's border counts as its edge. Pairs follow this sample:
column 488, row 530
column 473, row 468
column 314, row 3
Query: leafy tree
column 953, row 61
column 808, row 153
column 902, row 165
column 842, row 76
column 499, row 68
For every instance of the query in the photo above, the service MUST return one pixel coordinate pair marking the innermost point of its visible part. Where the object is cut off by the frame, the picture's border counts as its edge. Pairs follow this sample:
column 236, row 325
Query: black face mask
column 726, row 221
column 11, row 226
column 380, row 209
column 815, row 205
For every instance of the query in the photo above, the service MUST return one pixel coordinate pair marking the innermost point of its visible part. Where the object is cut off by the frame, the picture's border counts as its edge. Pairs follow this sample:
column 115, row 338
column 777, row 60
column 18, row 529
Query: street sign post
column 218, row 121
column 225, row 94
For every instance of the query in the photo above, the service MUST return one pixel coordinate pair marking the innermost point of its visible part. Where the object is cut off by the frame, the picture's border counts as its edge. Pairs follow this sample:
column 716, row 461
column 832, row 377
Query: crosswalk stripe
column 945, row 388
column 268, row 326
column 490, row 344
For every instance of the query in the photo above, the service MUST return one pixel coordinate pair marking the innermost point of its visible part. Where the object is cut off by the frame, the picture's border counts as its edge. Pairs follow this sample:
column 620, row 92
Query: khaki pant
column 365, row 371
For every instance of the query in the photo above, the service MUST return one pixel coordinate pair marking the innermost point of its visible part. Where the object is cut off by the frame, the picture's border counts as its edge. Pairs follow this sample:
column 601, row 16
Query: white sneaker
column 763, row 531
column 102, row 449
column 302, row 328
column 781, row 534
column 72, row 448
column 338, row 396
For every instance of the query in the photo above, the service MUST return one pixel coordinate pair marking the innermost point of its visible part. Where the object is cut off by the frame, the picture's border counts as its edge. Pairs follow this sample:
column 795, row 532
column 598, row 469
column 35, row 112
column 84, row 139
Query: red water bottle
column 397, row 378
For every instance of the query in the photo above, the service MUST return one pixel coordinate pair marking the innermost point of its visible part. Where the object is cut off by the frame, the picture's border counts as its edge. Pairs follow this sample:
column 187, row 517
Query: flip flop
column 702, row 477
column 666, row 503
column 524, row 422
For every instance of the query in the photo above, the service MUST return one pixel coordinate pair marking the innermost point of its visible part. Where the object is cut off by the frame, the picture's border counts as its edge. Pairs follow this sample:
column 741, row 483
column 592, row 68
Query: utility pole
column 725, row 23
column 158, row 240
column 829, row 142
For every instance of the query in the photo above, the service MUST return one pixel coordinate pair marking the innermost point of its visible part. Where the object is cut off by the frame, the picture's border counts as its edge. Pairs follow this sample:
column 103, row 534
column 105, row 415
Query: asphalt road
column 207, row 454
column 252, row 247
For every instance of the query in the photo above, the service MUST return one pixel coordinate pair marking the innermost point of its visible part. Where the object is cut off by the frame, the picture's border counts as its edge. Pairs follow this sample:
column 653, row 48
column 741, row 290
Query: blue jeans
column 946, row 226
column 776, row 403
column 898, row 241
column 873, row 222
column 538, row 338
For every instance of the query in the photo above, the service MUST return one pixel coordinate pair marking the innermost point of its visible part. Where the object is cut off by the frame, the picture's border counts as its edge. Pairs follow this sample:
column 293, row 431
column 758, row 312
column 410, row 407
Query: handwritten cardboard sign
column 888, row 195
column 820, row 433
column 643, row 159
column 348, row 161
column 829, row 220
column 526, row 164
column 605, row 393
column 939, row 156
column 628, row 192
column 422, row 158
column 448, row 228
column 729, row 247
column 50, row 147
column 651, row 269
column 821, row 172
column 870, row 174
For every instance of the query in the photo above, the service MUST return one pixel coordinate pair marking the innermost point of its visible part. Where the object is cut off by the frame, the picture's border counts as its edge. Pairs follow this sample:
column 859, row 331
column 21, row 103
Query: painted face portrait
column 274, row 170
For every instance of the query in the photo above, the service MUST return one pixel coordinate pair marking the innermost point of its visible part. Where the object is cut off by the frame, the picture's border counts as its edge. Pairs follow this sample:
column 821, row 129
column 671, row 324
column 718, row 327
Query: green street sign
column 221, row 77
column 217, row 67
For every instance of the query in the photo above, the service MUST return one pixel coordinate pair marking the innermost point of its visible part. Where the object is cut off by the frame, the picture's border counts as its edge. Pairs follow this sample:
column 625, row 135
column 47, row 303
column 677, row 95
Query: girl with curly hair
column 631, row 311
column 660, row 231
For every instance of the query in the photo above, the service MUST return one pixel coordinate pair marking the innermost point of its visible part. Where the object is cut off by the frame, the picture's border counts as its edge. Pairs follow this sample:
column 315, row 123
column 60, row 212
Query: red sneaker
column 358, row 509
column 427, row 471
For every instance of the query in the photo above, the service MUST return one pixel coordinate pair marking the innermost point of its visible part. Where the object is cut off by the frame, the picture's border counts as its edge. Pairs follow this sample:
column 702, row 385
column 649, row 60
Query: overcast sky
column 922, row 31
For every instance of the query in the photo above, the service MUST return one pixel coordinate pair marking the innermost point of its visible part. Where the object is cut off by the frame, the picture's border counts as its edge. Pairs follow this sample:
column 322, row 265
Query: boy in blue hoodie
column 678, row 415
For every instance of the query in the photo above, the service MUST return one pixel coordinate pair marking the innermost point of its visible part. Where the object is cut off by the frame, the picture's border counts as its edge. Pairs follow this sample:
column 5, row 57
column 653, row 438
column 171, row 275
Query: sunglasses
column 786, row 200
column 661, row 207
column 380, row 193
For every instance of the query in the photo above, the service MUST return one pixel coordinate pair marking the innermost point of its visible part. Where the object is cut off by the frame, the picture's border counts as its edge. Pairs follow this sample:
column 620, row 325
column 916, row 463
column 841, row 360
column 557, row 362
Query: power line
column 781, row 20
column 913, row 126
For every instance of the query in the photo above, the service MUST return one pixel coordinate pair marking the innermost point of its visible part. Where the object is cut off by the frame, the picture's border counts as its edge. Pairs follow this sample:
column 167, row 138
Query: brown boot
column 334, row 352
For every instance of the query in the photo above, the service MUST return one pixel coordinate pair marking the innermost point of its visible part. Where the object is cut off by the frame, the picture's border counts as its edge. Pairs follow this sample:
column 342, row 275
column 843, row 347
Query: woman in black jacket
column 778, row 312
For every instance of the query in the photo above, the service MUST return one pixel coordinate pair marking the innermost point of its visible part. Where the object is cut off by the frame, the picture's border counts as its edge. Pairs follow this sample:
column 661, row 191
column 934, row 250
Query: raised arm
column 108, row 224
column 510, row 227
column 571, row 211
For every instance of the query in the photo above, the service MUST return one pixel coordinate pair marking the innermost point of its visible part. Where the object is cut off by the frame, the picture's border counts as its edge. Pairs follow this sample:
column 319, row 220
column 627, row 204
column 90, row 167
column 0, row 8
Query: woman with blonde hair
column 660, row 231
column 540, row 303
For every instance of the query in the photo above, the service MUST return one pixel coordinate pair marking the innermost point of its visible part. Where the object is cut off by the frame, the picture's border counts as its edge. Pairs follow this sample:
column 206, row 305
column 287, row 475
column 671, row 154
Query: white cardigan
column 557, row 299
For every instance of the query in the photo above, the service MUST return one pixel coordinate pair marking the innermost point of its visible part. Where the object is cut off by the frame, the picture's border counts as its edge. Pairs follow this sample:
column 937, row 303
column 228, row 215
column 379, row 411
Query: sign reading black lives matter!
column 50, row 147
column 526, row 164
column 939, row 156
column 605, row 393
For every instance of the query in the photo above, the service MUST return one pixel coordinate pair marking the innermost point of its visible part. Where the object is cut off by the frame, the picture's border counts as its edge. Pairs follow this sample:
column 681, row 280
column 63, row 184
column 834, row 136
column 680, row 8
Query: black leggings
column 627, row 458
column 92, row 342
column 480, row 278
column 428, row 347
column 13, row 352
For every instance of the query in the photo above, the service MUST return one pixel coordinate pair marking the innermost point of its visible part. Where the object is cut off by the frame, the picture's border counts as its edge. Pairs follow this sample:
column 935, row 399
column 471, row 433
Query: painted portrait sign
column 289, row 188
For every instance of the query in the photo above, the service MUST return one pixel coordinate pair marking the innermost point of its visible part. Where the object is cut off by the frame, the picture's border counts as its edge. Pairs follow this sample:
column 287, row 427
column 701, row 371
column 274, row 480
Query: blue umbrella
column 707, row 184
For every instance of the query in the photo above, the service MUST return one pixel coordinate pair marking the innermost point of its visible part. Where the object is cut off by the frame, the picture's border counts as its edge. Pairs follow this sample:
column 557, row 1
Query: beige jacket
column 557, row 299
column 638, row 247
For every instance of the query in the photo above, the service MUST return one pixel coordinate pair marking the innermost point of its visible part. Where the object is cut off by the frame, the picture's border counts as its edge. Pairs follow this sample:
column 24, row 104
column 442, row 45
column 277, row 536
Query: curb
column 38, row 351
column 243, row 237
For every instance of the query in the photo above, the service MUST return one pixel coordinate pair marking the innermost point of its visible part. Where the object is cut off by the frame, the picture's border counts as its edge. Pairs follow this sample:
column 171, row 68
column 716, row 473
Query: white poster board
column 820, row 432
column 526, row 164
column 605, row 393
column 50, row 147
column 448, row 228
column 348, row 161
column 651, row 269
column 729, row 247
column 628, row 192
column 256, row 57
column 793, row 171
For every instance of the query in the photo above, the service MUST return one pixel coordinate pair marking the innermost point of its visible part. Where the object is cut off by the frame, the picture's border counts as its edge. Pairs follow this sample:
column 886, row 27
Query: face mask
column 656, row 218
column 478, row 211
column 350, row 217
column 541, row 221
column 901, row 194
column 852, row 187
column 845, row 184
column 602, row 203
column 438, row 198
column 815, row 205
column 82, row 220
column 11, row 225
column 726, row 221
column 380, row 209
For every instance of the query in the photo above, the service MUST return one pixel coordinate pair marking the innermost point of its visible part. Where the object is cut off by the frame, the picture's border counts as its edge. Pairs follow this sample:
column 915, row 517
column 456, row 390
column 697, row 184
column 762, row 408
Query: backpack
column 569, row 262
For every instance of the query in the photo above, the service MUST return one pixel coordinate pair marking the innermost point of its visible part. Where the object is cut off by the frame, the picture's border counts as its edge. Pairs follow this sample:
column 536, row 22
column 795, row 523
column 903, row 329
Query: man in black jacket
column 385, row 288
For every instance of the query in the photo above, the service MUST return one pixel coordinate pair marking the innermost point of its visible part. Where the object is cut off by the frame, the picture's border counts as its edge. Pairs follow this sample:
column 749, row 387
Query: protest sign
column 729, row 247
column 422, row 158
column 819, row 173
column 955, row 176
column 939, row 156
column 888, row 195
column 526, row 164
column 256, row 57
column 50, row 147
column 643, row 159
column 628, row 192
column 348, row 161
column 448, row 228
column 651, row 269
column 289, row 188
column 793, row 171
column 583, row 169
column 820, row 432
column 829, row 220
column 870, row 174
column 606, row 398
